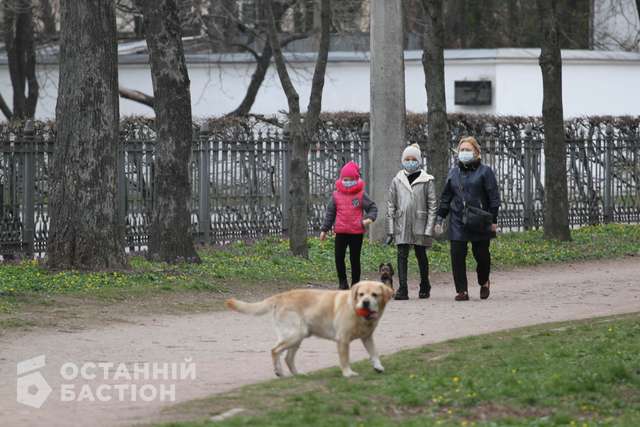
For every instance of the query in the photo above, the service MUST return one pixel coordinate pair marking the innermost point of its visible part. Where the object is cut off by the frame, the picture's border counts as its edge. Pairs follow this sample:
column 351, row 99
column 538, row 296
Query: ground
column 231, row 349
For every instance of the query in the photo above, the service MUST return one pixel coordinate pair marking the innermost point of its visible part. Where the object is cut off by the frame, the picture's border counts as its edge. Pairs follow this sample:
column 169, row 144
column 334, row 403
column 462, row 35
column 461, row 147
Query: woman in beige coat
column 411, row 213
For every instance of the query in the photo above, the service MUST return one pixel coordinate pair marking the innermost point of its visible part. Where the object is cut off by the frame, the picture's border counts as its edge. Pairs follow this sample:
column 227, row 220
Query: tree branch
column 5, row 108
column 299, row 36
column 246, row 47
column 137, row 96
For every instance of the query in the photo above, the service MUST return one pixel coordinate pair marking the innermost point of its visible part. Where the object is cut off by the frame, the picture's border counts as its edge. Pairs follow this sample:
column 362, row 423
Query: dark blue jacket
column 480, row 190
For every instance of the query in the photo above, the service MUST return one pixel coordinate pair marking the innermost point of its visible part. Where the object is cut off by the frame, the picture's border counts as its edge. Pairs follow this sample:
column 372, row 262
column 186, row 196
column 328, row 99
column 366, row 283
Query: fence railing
column 239, row 179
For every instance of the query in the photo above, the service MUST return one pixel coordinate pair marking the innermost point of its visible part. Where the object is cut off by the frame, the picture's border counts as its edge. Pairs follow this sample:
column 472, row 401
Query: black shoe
column 402, row 294
column 425, row 291
column 484, row 291
column 462, row 296
column 343, row 285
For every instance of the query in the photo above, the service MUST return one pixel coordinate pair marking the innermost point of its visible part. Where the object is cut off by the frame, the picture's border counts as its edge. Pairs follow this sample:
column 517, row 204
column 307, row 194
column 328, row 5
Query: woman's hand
column 494, row 228
column 323, row 235
column 366, row 222
column 438, row 229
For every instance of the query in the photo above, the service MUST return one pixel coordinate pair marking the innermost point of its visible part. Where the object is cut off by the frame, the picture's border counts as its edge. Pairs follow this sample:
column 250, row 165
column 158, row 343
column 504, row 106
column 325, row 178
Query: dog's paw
column 349, row 373
column 279, row 374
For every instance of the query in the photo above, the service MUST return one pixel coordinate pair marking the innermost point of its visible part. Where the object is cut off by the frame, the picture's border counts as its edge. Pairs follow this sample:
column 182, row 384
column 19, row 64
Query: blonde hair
column 474, row 143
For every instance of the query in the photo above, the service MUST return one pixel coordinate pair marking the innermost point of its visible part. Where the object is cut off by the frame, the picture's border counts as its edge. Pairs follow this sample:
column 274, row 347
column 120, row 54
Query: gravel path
column 230, row 349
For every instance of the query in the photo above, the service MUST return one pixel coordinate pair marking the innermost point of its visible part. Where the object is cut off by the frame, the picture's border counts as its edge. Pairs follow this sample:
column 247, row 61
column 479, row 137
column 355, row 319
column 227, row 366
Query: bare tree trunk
column 556, row 206
column 18, row 27
column 87, row 230
column 298, row 168
column 170, row 237
column 299, row 134
column 433, row 64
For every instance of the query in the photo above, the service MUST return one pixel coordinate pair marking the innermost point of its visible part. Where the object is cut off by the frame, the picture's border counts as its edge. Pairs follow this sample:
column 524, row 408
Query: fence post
column 608, row 176
column 364, row 137
column 28, row 220
column 121, row 184
column 204, row 216
column 286, row 203
column 528, row 178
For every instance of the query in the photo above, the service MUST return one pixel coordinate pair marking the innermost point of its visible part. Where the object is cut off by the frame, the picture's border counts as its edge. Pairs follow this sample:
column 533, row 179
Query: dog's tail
column 255, row 308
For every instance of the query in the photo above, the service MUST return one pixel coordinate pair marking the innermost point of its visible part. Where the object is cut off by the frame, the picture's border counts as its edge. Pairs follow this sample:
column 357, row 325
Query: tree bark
column 556, row 206
column 433, row 64
column 299, row 134
column 18, row 27
column 87, row 228
column 170, row 238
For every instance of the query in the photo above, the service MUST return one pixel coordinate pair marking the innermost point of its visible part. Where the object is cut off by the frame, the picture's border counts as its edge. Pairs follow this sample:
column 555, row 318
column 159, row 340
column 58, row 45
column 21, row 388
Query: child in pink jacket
column 349, row 212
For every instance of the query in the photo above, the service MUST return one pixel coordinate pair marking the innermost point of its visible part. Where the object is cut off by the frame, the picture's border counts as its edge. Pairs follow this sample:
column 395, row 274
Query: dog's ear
column 390, row 268
column 380, row 267
column 387, row 293
column 354, row 292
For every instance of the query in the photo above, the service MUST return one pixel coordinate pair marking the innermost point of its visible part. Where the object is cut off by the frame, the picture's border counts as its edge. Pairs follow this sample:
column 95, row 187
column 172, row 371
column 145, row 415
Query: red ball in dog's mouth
column 366, row 313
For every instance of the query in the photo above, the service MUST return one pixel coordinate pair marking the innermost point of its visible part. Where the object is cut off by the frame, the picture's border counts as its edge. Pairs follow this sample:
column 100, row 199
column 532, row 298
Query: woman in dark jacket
column 475, row 184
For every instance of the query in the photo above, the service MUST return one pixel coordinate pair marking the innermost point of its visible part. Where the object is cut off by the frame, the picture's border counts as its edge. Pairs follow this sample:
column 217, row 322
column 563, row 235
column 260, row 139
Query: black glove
column 389, row 239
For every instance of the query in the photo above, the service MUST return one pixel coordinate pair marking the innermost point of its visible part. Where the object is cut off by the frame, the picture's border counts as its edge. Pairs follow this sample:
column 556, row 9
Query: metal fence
column 239, row 178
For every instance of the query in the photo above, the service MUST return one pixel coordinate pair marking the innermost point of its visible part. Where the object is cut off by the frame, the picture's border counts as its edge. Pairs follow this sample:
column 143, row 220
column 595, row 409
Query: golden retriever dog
column 341, row 316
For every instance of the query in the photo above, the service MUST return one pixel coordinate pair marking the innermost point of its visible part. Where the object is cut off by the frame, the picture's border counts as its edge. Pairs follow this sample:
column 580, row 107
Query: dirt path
column 230, row 349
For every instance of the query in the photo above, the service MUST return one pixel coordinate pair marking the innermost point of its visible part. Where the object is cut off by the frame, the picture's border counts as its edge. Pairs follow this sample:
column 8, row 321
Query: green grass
column 269, row 260
column 584, row 373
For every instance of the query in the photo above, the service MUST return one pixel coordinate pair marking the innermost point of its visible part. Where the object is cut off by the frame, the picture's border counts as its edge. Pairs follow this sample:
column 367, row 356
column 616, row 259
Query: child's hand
column 366, row 222
column 323, row 235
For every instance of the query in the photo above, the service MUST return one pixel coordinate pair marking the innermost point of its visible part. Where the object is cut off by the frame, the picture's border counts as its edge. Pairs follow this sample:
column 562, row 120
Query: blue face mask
column 466, row 156
column 348, row 183
column 410, row 165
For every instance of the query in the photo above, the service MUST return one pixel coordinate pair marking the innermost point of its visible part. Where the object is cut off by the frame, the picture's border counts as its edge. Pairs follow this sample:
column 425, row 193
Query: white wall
column 603, row 83
column 592, row 84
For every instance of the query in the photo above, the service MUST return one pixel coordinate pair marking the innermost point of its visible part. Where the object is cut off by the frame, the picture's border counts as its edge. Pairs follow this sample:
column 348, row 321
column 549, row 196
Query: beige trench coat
column 411, row 209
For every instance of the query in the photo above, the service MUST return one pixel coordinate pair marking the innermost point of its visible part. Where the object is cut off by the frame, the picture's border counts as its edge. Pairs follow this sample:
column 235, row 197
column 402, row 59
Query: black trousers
column 354, row 243
column 482, row 255
column 423, row 264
